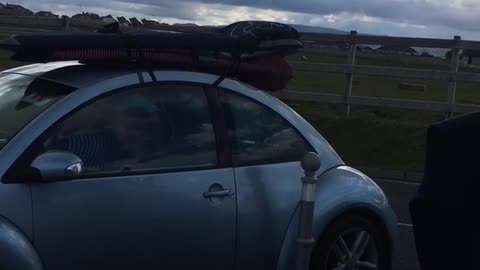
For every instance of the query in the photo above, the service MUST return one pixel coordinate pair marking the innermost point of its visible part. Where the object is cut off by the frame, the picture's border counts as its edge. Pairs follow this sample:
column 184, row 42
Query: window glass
column 23, row 98
column 259, row 135
column 157, row 127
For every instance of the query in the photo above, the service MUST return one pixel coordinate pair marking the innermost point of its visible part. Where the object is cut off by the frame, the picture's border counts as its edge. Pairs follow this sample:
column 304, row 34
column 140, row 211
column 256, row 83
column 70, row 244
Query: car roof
column 72, row 73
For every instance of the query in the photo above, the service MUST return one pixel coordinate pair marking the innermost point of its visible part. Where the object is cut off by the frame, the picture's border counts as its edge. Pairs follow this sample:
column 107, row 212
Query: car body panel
column 16, row 206
column 16, row 250
column 132, row 222
column 339, row 191
column 36, row 70
column 185, row 76
column 267, row 196
column 73, row 73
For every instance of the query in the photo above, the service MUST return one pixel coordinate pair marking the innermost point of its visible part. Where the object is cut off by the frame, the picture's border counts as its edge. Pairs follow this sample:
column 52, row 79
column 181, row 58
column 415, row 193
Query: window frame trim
column 224, row 151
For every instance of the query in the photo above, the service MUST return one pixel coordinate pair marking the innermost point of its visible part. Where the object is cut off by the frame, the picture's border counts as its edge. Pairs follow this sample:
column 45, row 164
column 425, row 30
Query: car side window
column 259, row 135
column 149, row 128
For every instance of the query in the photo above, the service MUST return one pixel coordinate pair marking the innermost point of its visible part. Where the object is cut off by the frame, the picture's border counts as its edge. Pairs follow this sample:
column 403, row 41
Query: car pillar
column 305, row 241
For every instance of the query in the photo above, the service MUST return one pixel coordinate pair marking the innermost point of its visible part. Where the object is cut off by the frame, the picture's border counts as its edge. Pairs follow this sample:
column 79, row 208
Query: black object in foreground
column 445, row 207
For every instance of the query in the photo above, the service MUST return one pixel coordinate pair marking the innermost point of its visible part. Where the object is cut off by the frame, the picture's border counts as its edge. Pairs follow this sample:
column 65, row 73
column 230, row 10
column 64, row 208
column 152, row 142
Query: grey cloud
column 178, row 10
column 421, row 12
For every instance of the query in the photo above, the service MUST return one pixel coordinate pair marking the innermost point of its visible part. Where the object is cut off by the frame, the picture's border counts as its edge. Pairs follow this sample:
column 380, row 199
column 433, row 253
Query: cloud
column 459, row 14
column 432, row 18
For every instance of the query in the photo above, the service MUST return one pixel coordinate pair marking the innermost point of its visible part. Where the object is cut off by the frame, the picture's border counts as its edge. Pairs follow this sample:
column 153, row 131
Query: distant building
column 470, row 57
column 401, row 50
column 14, row 10
column 135, row 22
column 150, row 23
column 46, row 14
column 185, row 24
column 108, row 19
column 123, row 21
column 87, row 16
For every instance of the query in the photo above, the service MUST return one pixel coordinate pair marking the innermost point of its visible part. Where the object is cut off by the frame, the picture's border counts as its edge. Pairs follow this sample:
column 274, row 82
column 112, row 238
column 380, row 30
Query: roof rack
column 247, row 49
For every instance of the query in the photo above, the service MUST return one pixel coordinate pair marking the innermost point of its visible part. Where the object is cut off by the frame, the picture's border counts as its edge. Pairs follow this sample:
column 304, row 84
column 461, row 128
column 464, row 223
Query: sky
column 412, row 18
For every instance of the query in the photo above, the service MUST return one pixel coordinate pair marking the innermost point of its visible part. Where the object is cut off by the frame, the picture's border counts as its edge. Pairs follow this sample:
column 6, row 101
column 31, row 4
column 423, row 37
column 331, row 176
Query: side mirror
column 58, row 164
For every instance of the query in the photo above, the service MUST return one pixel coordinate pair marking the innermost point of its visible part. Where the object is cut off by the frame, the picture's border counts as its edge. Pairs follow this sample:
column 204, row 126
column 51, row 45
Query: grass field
column 376, row 137
column 372, row 137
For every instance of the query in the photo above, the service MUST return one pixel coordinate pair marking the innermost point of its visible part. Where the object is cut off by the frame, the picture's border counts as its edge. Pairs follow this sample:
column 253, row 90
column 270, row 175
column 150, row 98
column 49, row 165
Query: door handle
column 218, row 193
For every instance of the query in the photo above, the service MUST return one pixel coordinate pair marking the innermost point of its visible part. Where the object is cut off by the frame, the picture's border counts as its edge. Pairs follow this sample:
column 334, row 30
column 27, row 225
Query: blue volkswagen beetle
column 137, row 168
column 140, row 157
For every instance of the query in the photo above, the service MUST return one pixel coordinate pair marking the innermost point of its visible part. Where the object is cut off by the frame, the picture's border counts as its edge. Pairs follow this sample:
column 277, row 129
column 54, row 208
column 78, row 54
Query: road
column 399, row 193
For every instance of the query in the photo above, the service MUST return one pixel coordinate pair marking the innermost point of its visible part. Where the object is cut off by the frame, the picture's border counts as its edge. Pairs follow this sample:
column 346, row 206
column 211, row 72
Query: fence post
column 349, row 74
column 452, row 81
column 305, row 241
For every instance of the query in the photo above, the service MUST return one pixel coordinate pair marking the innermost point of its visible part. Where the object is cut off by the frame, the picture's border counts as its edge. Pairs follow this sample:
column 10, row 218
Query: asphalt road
column 399, row 193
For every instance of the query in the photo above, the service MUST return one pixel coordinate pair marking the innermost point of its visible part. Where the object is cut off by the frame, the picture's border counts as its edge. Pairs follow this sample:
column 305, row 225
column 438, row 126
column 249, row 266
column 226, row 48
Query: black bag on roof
column 241, row 39
column 252, row 51
column 444, row 207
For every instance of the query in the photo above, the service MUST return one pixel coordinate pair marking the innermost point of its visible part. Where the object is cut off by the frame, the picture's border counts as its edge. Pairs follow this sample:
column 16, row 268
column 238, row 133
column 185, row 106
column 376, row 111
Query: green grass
column 376, row 137
column 336, row 56
column 372, row 137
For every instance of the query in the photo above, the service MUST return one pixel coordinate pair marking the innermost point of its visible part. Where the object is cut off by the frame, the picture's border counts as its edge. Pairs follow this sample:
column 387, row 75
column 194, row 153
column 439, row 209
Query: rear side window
column 259, row 135
column 22, row 99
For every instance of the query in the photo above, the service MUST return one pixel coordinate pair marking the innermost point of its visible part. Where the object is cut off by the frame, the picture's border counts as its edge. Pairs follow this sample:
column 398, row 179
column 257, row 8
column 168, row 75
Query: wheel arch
column 372, row 216
column 16, row 250
column 340, row 192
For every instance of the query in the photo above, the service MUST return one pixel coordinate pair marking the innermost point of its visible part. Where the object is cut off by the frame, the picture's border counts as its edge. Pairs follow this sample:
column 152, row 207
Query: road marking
column 405, row 225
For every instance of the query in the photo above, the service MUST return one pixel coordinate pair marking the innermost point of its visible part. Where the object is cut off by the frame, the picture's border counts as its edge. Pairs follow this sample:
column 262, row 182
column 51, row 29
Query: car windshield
column 22, row 98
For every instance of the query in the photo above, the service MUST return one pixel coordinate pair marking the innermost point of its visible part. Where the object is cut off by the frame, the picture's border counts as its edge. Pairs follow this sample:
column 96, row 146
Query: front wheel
column 351, row 242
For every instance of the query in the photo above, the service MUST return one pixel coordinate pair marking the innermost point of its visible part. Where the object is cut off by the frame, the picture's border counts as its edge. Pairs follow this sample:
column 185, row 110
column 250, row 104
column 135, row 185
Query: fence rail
column 387, row 71
column 388, row 40
column 22, row 24
column 350, row 69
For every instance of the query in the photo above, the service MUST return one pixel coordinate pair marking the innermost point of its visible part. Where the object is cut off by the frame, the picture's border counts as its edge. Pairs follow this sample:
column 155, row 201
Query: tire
column 358, row 233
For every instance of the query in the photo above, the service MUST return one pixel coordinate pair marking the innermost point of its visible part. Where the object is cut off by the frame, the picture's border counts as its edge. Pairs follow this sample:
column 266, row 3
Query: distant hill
column 185, row 24
column 317, row 29
column 300, row 28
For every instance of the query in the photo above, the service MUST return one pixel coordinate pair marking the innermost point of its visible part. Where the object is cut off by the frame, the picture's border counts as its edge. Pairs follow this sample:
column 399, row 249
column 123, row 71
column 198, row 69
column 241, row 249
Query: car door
column 266, row 150
column 153, row 194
